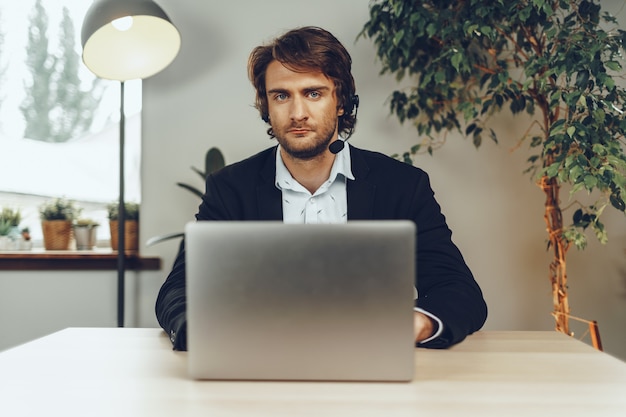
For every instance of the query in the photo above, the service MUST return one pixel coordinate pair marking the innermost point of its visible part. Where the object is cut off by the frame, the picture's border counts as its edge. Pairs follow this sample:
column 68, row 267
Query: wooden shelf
column 39, row 260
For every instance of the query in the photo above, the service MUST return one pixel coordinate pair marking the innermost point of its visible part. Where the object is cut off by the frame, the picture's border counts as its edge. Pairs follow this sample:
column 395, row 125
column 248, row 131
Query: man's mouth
column 299, row 131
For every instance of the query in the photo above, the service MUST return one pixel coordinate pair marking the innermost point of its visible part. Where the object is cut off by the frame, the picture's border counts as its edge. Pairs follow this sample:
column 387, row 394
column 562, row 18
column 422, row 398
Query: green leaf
column 493, row 136
column 613, row 65
column 590, row 181
column 456, row 60
column 486, row 30
column 398, row 37
column 575, row 173
column 576, row 237
column 191, row 188
column 599, row 116
column 557, row 126
column 553, row 170
column 600, row 232
column 582, row 79
column 431, row 29
column 617, row 202
column 576, row 188
column 609, row 83
column 477, row 141
column 599, row 149
column 470, row 29
column 578, row 215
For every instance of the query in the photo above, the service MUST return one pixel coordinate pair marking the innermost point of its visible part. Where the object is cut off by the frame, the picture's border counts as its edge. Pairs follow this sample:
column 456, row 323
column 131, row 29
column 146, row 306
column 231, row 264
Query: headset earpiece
column 338, row 145
column 353, row 105
column 355, row 102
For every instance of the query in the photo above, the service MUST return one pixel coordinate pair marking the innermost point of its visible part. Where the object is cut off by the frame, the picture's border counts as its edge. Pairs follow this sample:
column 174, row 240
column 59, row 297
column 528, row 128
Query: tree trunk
column 559, row 246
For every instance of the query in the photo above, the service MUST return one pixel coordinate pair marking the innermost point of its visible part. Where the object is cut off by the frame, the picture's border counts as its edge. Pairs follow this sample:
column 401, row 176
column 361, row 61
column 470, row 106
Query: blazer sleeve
column 386, row 188
column 230, row 194
column 171, row 303
column 446, row 286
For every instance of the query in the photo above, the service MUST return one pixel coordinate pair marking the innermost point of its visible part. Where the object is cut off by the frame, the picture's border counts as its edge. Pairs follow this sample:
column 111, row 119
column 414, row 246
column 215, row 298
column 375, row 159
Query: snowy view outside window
column 59, row 131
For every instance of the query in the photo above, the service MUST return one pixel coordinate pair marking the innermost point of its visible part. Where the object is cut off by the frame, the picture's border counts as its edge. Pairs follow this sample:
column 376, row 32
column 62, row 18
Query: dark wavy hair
column 307, row 49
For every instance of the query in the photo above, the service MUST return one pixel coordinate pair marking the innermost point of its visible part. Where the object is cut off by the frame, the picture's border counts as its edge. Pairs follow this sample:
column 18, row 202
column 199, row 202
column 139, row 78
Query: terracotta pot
column 57, row 234
column 131, row 235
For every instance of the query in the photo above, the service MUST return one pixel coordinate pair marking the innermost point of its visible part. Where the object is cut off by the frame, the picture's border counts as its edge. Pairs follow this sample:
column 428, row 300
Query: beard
column 309, row 146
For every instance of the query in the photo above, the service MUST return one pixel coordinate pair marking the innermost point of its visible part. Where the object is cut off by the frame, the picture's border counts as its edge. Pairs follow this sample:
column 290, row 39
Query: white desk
column 134, row 372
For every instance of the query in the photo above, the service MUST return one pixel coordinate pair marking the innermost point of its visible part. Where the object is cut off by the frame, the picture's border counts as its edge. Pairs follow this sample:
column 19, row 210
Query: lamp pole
column 121, row 220
column 126, row 40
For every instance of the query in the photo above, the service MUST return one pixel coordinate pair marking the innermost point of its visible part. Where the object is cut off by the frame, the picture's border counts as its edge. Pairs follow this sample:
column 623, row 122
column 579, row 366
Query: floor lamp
column 126, row 40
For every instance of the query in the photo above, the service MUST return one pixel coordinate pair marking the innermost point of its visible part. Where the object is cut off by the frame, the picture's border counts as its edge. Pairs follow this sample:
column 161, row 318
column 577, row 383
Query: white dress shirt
column 328, row 204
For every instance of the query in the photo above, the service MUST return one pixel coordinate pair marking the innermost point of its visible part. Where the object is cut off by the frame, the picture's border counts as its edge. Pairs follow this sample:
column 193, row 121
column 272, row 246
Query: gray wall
column 204, row 99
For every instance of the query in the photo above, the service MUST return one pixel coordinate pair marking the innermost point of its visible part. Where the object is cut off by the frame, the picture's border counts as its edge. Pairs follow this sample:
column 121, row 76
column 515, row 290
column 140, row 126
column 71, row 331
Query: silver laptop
column 275, row 301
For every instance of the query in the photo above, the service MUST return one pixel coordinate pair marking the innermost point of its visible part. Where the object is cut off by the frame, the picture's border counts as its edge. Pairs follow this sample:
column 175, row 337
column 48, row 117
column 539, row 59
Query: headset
column 353, row 107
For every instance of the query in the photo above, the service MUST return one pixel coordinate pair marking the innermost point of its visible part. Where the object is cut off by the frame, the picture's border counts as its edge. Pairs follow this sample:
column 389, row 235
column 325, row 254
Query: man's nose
column 299, row 110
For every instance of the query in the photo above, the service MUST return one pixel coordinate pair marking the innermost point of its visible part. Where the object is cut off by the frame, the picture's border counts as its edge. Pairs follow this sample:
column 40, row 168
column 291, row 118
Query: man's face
column 303, row 110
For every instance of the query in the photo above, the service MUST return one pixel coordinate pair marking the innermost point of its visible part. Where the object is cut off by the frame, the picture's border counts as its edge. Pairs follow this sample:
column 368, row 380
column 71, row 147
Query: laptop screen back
column 268, row 300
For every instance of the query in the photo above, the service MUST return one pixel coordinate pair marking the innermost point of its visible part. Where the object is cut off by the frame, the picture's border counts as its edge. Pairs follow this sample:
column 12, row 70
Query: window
column 59, row 131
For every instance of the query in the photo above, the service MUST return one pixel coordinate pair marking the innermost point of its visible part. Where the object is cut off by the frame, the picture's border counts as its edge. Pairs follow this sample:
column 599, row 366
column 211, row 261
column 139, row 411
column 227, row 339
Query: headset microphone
column 338, row 145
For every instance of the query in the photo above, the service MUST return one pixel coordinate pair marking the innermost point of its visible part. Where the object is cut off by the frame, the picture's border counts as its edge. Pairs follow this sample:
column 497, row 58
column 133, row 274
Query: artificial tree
column 559, row 61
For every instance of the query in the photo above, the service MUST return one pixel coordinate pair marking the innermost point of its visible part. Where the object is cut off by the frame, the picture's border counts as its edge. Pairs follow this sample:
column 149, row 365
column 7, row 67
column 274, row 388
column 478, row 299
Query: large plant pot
column 85, row 237
column 56, row 234
column 131, row 235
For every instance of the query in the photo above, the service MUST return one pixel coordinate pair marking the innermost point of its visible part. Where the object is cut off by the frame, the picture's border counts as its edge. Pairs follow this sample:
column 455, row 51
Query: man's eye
column 280, row 97
column 314, row 94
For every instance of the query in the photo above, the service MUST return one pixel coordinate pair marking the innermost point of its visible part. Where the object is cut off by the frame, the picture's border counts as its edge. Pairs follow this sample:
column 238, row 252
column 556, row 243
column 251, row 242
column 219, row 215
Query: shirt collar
column 342, row 165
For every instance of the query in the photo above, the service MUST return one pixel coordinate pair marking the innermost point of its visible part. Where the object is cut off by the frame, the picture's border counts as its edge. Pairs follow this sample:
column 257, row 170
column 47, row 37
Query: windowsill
column 94, row 260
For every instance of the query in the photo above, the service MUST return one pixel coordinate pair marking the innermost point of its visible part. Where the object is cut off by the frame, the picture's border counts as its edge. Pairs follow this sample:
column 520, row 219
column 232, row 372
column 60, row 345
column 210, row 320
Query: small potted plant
column 85, row 231
column 9, row 232
column 5, row 228
column 57, row 216
column 25, row 242
column 131, row 225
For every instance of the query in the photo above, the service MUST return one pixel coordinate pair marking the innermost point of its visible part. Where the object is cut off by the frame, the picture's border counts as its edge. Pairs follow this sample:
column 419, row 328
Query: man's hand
column 423, row 326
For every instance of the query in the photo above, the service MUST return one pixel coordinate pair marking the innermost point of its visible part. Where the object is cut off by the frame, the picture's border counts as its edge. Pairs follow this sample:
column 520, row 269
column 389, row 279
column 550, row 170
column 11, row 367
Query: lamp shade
column 128, row 39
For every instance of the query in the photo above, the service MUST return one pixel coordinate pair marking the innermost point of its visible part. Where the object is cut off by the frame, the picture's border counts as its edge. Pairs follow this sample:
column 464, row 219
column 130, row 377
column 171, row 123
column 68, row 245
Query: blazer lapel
column 269, row 197
column 360, row 191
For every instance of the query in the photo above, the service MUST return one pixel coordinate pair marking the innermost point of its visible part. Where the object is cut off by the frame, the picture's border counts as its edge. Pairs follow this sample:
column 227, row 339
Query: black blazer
column 384, row 188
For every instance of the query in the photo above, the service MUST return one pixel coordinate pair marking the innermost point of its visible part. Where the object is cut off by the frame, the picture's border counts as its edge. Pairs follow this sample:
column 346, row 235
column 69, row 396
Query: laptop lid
column 275, row 301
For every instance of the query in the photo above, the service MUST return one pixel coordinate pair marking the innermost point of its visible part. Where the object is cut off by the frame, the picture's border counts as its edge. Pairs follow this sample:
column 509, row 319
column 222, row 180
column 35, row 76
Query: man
column 305, row 92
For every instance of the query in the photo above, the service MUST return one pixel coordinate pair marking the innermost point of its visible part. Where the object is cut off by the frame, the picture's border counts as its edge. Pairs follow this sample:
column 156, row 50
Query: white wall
column 37, row 303
column 204, row 99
